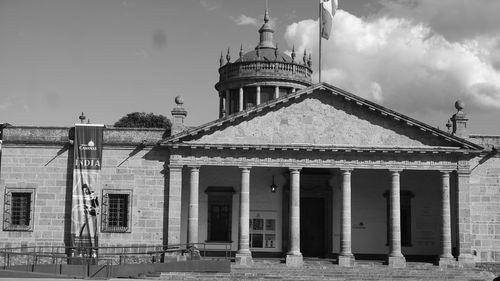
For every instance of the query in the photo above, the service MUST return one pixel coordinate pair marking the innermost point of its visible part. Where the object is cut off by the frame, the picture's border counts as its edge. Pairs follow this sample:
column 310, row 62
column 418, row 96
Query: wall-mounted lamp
column 273, row 186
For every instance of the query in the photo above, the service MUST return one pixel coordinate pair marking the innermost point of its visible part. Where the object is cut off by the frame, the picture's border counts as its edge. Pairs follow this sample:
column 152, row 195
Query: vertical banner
column 86, row 188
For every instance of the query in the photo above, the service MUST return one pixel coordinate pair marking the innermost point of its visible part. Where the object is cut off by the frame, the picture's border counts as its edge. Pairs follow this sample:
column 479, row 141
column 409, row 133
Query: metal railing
column 98, row 261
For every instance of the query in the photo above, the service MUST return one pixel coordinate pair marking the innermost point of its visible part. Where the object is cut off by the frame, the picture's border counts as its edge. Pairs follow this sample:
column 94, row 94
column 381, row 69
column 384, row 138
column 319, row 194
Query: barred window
column 116, row 211
column 18, row 209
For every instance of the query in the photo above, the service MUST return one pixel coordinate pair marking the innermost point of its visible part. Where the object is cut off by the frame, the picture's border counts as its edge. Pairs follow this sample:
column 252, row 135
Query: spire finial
column 82, row 118
column 266, row 33
column 221, row 60
column 309, row 61
column 228, row 56
column 276, row 52
column 293, row 53
column 241, row 52
column 304, row 58
column 266, row 15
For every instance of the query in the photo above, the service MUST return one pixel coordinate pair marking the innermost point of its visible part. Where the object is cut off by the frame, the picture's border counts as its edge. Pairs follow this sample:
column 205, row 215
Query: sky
column 107, row 58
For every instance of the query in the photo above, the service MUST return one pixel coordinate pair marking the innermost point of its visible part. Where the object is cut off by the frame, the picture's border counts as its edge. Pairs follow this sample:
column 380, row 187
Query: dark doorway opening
column 312, row 227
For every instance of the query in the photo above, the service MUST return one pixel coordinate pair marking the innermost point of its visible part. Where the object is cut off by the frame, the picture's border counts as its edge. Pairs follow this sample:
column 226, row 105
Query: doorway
column 312, row 227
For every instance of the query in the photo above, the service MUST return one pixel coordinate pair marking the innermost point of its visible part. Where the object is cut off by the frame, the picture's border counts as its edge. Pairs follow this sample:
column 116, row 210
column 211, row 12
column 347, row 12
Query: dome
column 266, row 54
column 260, row 74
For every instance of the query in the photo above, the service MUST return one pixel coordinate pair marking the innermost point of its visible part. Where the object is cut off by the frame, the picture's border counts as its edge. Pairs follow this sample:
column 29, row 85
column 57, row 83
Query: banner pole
column 319, row 24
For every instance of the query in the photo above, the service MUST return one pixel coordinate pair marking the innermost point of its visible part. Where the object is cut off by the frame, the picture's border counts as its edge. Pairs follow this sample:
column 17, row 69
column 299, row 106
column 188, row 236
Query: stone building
column 290, row 169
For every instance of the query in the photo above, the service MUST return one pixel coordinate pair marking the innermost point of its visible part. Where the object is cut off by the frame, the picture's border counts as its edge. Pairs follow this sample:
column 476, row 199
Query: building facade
column 290, row 169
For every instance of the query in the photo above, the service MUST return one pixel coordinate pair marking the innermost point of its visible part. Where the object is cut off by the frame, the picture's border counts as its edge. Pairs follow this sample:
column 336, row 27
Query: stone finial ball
column 459, row 105
column 179, row 100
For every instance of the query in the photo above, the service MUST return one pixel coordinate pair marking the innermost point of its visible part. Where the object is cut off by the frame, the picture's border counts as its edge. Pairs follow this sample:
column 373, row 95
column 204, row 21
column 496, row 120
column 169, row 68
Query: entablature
column 353, row 159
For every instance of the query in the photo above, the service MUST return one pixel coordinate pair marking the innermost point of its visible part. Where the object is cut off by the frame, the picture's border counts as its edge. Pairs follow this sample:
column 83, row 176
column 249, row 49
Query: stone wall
column 42, row 158
column 485, row 200
column 46, row 170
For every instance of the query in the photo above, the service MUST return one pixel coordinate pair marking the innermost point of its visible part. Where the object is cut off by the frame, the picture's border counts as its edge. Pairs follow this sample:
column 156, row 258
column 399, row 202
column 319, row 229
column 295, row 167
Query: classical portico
column 253, row 144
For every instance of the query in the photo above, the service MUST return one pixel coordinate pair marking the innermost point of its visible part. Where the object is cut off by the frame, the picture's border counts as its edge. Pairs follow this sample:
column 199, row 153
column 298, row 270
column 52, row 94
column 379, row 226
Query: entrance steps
column 320, row 270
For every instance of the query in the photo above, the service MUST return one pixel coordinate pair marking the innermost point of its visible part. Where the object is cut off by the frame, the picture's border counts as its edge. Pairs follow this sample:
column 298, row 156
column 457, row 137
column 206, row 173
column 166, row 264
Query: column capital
column 346, row 170
column 294, row 169
column 175, row 167
column 245, row 168
column 394, row 171
column 197, row 167
column 448, row 172
column 463, row 172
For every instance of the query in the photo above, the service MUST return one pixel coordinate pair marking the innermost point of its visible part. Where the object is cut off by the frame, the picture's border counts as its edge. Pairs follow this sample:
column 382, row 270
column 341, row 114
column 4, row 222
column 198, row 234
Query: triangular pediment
column 321, row 116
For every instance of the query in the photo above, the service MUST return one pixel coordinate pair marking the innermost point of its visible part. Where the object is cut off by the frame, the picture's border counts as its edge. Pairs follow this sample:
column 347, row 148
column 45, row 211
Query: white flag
column 328, row 9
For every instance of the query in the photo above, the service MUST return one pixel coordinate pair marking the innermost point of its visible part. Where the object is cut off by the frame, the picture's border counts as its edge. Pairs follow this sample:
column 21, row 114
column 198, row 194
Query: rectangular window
column 18, row 209
column 220, row 206
column 116, row 210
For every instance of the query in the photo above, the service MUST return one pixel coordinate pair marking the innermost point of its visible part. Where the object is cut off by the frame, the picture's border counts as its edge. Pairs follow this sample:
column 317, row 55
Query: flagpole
column 319, row 24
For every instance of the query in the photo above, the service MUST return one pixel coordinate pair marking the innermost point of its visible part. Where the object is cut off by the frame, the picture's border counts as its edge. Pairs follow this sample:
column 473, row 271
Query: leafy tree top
column 143, row 120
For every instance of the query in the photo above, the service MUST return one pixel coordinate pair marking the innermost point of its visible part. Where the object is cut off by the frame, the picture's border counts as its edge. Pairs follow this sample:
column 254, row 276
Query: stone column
column 221, row 105
column 445, row 258
column 193, row 204
column 174, row 204
column 243, row 255
column 276, row 92
column 346, row 258
column 227, row 102
column 241, row 100
column 396, row 258
column 258, row 95
column 294, row 256
column 465, row 257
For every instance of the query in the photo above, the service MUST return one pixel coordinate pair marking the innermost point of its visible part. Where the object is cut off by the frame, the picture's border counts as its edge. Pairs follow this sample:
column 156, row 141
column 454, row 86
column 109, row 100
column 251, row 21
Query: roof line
column 321, row 86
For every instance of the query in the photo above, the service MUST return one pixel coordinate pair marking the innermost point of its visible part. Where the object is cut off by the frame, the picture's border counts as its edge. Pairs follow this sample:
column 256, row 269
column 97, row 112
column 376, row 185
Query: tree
column 143, row 120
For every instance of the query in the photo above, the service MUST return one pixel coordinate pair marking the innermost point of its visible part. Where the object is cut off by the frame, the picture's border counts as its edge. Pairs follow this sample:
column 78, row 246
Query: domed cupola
column 260, row 75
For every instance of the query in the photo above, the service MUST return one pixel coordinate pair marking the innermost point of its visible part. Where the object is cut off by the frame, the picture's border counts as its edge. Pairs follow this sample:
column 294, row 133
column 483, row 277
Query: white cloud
column 209, row 5
column 245, row 20
column 13, row 102
column 454, row 19
column 7, row 102
column 403, row 64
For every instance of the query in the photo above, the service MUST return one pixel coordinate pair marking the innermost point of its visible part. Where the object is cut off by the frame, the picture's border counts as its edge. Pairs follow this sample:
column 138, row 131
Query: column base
column 466, row 260
column 396, row 262
column 447, row 262
column 244, row 259
column 294, row 260
column 346, row 260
